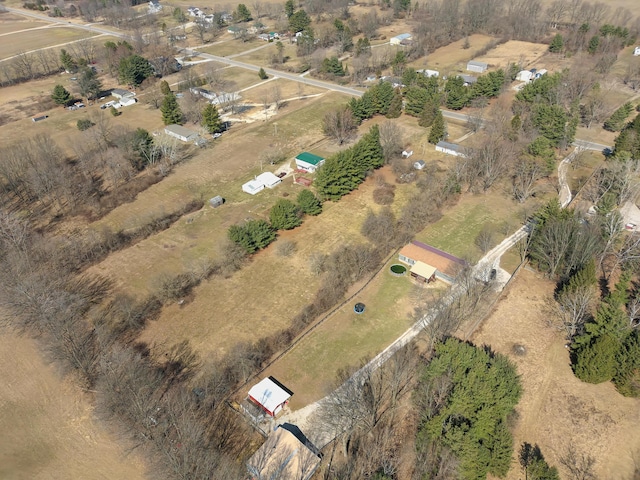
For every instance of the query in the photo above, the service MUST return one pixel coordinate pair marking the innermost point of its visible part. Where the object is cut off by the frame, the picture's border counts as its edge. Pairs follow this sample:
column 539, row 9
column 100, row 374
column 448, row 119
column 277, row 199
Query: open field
column 456, row 231
column 48, row 426
column 525, row 54
column 345, row 339
column 263, row 56
column 556, row 409
column 231, row 46
column 287, row 90
column 453, row 57
column 14, row 23
column 27, row 41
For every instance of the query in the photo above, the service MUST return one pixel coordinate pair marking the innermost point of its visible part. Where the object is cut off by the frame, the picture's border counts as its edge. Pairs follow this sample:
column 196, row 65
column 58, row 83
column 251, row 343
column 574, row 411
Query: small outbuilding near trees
column 450, row 149
column 270, row 395
column 475, row 66
column 398, row 39
column 181, row 133
column 308, row 162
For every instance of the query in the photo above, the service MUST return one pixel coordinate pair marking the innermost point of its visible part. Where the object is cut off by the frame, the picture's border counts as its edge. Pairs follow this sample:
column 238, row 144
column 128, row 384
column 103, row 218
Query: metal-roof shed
column 271, row 395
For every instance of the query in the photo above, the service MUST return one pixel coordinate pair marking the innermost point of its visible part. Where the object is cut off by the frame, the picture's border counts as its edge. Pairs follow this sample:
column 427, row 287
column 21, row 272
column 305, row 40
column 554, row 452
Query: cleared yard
column 453, row 57
column 13, row 23
column 232, row 46
column 27, row 41
column 556, row 409
column 48, row 426
column 525, row 54
column 346, row 338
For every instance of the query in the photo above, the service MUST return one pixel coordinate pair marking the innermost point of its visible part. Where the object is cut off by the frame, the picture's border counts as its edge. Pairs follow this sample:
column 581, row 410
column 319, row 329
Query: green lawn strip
column 346, row 338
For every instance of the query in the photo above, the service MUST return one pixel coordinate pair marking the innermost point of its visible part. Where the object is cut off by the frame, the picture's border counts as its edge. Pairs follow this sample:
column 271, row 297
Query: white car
column 107, row 105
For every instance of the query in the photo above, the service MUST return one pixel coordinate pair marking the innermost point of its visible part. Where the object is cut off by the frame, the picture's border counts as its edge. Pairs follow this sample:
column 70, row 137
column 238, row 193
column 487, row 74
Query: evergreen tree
column 142, row 146
column 438, row 129
column 409, row 77
column 367, row 153
column 134, row 69
column 544, row 89
column 429, row 111
column 285, row 215
column 289, row 8
column 299, row 21
column 309, row 203
column 261, row 232
column 60, row 95
column 242, row 13
column 395, row 107
column 333, row 66
column 627, row 378
column 337, row 177
column 616, row 121
column 211, row 119
column 67, row 61
column 596, row 362
column 551, row 121
column 382, row 97
column 594, row 43
column 262, row 74
column 557, row 44
column 90, row 85
column 457, row 96
column 542, row 148
column 171, row 113
column 415, row 99
column 240, row 235
column 165, row 89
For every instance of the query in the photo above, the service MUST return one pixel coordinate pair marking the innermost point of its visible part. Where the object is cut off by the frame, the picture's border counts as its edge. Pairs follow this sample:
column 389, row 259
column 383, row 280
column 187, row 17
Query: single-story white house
column 429, row 73
column 126, row 102
column 181, row 133
column 419, row 165
column 121, row 93
column 270, row 395
column 450, row 149
column 287, row 454
column 252, row 187
column 636, row 52
column 524, row 76
column 308, row 162
column 397, row 40
column 475, row 66
column 268, row 179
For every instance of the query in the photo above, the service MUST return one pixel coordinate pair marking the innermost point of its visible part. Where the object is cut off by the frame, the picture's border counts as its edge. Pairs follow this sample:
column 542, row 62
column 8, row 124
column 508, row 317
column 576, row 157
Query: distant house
column 252, row 187
column 308, row 162
column 397, row 40
column 270, row 395
column 181, row 133
column 287, row 454
column 428, row 263
column 524, row 76
column 394, row 81
column 419, row 165
column 126, row 102
column 429, row 73
column 371, row 78
column 475, row 66
column 264, row 36
column 450, row 149
column 234, row 30
column 119, row 93
column 223, row 98
column 469, row 79
column 154, row 6
column 268, row 179
column 636, row 52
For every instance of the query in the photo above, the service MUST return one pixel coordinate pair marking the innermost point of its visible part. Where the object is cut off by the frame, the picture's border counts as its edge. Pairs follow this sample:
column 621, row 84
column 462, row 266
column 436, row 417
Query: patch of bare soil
column 48, row 430
column 556, row 409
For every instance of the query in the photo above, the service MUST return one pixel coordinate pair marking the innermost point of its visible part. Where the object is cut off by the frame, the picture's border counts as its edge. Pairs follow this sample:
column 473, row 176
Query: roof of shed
column 309, row 158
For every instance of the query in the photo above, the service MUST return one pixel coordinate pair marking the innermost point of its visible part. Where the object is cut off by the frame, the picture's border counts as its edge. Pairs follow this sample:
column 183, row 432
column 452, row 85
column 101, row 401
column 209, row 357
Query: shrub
column 114, row 111
column 286, row 248
column 384, row 195
column 84, row 124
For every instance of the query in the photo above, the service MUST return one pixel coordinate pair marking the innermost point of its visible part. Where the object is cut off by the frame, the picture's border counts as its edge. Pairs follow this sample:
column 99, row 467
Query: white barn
column 475, row 66
column 252, row 187
column 181, row 133
column 397, row 40
column 450, row 149
column 308, row 162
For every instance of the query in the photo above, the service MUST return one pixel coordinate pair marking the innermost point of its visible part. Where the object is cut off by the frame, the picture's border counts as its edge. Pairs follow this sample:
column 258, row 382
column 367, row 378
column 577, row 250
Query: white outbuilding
column 450, row 149
column 252, row 187
column 268, row 179
column 475, row 66
column 636, row 52
column 181, row 133
column 398, row 39
column 524, row 76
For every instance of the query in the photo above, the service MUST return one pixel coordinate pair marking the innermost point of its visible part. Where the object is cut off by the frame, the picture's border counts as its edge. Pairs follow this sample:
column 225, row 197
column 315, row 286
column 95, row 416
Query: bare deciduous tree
column 339, row 124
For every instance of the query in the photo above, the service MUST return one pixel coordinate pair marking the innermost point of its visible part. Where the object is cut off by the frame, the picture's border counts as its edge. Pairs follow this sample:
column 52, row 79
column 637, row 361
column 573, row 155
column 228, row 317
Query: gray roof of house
column 469, row 78
column 403, row 36
column 478, row 64
column 180, row 130
column 449, row 146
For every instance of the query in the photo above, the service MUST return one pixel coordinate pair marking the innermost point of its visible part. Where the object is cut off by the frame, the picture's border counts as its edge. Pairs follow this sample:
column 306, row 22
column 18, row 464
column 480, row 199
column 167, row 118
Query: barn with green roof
column 308, row 162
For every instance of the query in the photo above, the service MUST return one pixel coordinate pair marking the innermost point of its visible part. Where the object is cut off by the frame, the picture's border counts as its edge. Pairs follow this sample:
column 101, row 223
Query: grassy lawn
column 263, row 57
column 345, row 339
column 231, row 47
column 27, row 41
column 457, row 230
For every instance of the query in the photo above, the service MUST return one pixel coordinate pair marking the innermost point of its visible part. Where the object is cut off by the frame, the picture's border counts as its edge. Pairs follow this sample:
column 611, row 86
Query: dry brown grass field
column 14, row 23
column 525, row 54
column 49, row 430
column 453, row 58
column 32, row 40
column 556, row 409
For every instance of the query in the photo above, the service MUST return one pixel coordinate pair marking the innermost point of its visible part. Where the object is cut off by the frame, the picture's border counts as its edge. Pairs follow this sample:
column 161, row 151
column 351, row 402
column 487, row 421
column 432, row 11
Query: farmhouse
column 475, row 66
column 270, row 395
column 287, row 454
column 181, row 133
column 450, row 149
column 126, row 102
column 268, row 179
column 428, row 262
column 636, row 52
column 397, row 40
column 119, row 93
column 308, row 162
column 252, row 187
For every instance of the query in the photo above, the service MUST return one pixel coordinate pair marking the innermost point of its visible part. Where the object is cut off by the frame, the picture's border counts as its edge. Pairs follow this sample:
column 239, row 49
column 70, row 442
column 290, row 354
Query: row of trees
column 284, row 215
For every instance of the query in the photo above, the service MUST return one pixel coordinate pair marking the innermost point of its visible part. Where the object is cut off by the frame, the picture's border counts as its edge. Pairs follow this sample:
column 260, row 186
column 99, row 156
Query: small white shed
column 397, row 40
column 181, row 133
column 636, row 52
column 252, row 187
column 475, row 66
column 268, row 179
column 524, row 76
